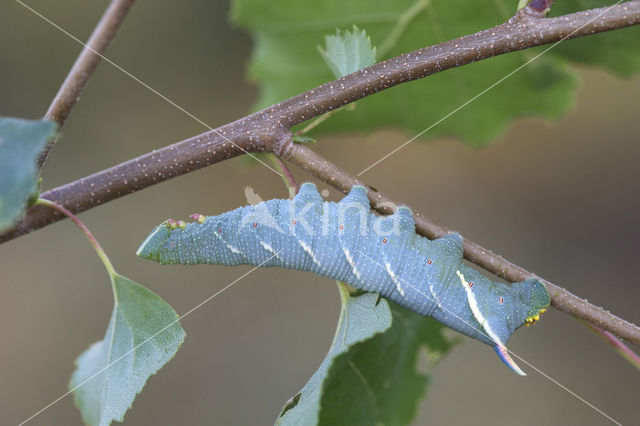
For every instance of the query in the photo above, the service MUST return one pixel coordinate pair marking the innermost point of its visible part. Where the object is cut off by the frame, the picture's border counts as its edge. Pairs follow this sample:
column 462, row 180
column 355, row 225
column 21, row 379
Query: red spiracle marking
column 341, row 227
column 470, row 283
column 294, row 221
column 219, row 231
column 384, row 241
column 172, row 244
column 500, row 299
column 255, row 224
column 429, row 262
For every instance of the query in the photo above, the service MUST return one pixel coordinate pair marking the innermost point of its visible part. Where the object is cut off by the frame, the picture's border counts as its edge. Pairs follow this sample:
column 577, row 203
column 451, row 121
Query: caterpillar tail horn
column 503, row 354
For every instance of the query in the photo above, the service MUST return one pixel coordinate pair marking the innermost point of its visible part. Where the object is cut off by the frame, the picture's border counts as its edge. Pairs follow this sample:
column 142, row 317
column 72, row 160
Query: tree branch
column 139, row 173
column 85, row 64
column 268, row 131
column 561, row 299
column 263, row 131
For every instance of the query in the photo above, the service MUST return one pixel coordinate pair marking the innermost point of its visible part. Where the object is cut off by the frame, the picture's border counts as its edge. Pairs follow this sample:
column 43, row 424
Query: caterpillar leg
column 503, row 354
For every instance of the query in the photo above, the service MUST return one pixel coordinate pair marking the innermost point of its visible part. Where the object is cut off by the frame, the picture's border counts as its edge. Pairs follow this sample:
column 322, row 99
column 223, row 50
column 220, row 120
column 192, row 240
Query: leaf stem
column 286, row 175
column 92, row 239
column 316, row 121
column 401, row 26
column 345, row 295
column 622, row 349
column 324, row 117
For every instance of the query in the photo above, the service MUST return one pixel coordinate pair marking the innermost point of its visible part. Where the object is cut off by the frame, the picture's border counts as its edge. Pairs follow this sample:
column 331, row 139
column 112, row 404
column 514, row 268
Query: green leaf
column 143, row 335
column 383, row 372
column 21, row 142
column 348, row 52
column 285, row 63
column 361, row 318
column 369, row 375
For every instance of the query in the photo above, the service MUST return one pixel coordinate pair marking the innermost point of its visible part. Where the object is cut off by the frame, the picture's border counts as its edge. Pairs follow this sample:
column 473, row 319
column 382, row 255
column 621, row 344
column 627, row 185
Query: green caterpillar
column 346, row 242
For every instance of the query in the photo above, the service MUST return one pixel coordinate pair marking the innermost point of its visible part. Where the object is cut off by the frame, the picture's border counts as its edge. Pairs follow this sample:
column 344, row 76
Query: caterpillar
column 345, row 241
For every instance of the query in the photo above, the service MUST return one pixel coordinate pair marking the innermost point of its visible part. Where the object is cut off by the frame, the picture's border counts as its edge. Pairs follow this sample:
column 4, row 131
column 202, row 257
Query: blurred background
column 561, row 199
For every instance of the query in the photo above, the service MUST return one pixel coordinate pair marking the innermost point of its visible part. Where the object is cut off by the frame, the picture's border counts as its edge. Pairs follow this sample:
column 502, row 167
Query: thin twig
column 268, row 131
column 83, row 68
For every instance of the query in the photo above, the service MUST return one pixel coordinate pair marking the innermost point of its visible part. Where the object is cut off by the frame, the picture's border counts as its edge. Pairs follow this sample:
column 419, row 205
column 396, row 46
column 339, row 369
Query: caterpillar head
column 499, row 309
column 529, row 299
column 509, row 307
column 534, row 294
